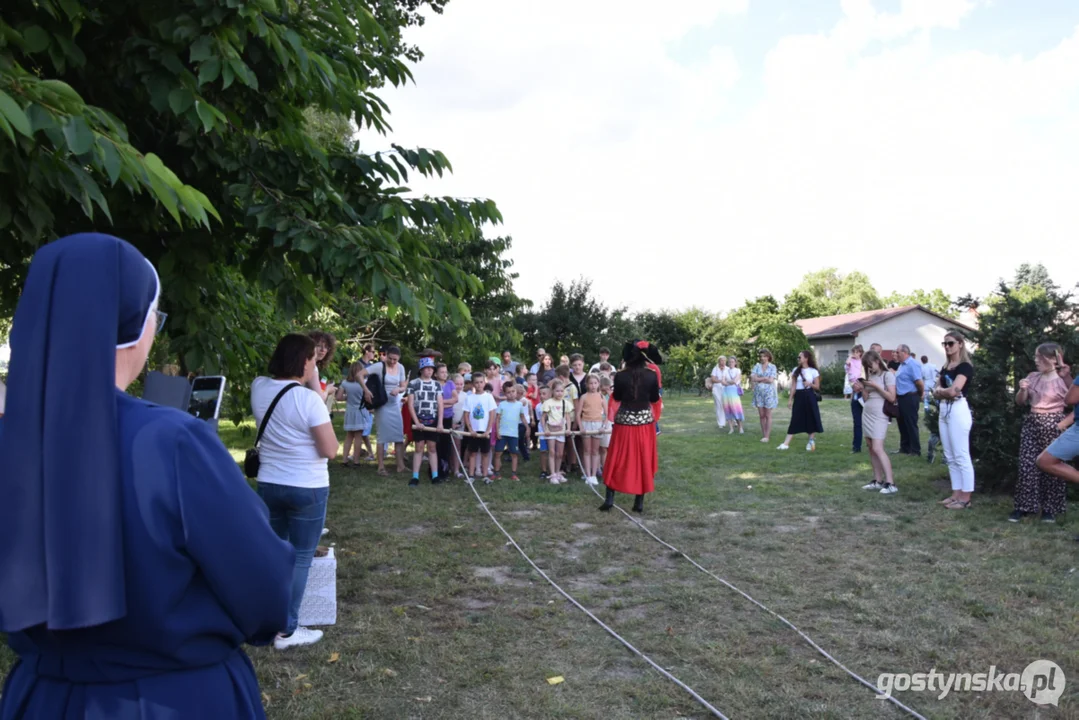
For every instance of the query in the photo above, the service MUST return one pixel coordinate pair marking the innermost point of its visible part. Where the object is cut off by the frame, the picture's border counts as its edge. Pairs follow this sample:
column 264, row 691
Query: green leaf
column 228, row 76
column 6, row 127
column 205, row 115
column 39, row 117
column 201, row 49
column 63, row 90
column 14, row 114
column 165, row 196
column 111, row 160
column 180, row 100
column 35, row 39
column 209, row 71
column 79, row 136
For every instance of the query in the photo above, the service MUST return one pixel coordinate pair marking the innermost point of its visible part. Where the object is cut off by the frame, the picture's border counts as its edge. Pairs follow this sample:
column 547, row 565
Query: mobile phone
column 206, row 394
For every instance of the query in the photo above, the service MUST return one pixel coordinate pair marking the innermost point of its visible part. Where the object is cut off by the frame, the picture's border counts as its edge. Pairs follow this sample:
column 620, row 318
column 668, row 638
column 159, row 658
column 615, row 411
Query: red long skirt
column 632, row 460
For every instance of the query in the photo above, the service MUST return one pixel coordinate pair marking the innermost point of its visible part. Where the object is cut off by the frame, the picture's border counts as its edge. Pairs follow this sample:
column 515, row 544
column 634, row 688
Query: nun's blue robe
column 204, row 574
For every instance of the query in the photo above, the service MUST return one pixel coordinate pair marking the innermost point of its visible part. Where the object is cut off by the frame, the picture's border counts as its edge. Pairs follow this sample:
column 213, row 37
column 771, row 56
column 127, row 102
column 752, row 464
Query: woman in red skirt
column 631, row 458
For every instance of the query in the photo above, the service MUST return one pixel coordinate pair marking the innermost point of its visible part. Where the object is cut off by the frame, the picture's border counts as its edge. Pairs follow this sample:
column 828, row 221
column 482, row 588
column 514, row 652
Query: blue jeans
column 856, row 414
column 297, row 515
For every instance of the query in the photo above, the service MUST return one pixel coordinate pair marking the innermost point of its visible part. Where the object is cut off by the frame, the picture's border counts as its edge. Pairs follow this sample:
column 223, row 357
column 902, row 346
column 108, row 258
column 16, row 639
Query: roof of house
column 853, row 323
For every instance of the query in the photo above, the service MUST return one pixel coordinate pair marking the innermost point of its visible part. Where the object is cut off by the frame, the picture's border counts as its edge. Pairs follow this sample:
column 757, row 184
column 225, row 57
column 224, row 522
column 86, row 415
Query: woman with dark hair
column 632, row 460
column 389, row 421
column 546, row 370
column 132, row 577
column 293, row 478
column 765, row 394
column 805, row 412
column 325, row 347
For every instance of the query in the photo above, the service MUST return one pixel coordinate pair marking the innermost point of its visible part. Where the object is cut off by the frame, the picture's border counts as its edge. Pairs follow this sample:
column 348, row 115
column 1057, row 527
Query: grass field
column 440, row 618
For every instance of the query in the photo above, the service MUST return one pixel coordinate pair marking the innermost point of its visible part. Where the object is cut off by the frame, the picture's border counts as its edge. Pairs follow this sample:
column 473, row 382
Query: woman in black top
column 632, row 460
column 955, row 419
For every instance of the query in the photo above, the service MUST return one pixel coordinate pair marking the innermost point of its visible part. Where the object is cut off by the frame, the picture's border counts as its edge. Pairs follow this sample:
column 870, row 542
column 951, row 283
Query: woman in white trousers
column 719, row 375
column 952, row 391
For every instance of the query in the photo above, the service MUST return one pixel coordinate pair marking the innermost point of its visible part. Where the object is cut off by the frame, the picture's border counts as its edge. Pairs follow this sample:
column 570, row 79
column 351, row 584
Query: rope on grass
column 762, row 606
column 578, row 605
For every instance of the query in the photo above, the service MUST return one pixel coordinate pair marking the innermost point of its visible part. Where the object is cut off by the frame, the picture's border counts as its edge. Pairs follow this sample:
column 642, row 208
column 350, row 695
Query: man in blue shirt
column 908, row 388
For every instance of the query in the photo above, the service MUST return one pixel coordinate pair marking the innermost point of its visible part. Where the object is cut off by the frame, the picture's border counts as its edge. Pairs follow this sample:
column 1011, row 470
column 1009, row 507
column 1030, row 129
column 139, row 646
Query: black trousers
column 444, row 445
column 909, row 442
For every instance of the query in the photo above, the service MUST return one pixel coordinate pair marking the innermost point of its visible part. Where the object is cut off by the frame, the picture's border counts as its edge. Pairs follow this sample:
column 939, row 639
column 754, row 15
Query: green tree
column 934, row 300
column 1027, row 275
column 194, row 129
column 1004, row 355
column 829, row 292
column 572, row 320
column 662, row 329
column 746, row 322
column 784, row 340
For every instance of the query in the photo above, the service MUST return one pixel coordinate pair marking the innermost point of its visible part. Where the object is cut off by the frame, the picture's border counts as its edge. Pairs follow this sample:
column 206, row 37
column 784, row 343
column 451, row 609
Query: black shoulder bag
column 376, row 384
column 251, row 460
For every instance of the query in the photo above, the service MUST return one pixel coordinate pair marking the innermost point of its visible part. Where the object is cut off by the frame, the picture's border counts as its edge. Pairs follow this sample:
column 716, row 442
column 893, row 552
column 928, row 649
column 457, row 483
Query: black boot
column 638, row 504
column 608, row 503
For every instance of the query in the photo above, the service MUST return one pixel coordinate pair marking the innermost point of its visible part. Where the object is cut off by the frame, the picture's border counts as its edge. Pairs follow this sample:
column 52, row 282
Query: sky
column 705, row 152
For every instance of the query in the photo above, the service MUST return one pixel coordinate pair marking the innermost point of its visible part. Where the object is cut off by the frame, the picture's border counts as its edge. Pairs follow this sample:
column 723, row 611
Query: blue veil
column 61, row 531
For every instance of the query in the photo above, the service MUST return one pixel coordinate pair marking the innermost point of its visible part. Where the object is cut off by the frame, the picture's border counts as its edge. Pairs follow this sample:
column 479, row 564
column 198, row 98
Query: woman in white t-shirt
column 805, row 412
column 293, row 478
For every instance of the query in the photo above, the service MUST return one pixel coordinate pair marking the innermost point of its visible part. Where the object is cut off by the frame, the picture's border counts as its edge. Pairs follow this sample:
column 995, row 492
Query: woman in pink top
column 1044, row 391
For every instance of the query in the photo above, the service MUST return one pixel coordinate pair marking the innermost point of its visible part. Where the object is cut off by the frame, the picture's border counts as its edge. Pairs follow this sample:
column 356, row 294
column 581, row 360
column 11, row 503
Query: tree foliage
column 196, row 130
column 1015, row 322
column 934, row 300
column 829, row 292
column 573, row 320
column 1035, row 276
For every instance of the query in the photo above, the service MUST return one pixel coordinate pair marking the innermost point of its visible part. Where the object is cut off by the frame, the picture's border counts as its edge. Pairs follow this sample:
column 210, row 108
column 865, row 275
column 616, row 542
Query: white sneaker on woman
column 593, row 481
column 299, row 636
column 784, row 446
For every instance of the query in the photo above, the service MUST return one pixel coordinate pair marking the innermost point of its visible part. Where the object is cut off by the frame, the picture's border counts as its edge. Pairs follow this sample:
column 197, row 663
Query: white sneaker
column 889, row 490
column 300, row 636
column 811, row 446
column 873, row 486
column 554, row 481
column 325, row 531
column 784, row 446
column 592, row 480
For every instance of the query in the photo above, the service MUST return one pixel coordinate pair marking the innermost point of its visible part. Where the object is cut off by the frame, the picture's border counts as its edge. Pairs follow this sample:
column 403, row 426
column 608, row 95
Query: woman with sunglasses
column 955, row 419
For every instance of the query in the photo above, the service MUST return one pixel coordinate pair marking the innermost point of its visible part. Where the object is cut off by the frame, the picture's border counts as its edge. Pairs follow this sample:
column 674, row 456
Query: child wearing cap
column 425, row 404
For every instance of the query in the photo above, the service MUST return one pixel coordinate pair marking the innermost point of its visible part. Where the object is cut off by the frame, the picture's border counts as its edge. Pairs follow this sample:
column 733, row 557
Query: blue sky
column 717, row 150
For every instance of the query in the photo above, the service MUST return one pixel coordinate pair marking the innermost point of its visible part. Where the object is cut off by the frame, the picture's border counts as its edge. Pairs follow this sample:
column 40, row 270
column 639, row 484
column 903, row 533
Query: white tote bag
column 319, row 605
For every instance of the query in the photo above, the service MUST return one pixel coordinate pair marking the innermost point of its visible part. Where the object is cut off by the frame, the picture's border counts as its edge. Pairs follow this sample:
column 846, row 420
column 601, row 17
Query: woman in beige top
column 1044, row 391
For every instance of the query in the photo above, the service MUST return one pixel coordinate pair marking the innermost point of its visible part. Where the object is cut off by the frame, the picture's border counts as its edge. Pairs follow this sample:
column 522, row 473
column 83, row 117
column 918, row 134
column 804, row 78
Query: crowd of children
column 504, row 412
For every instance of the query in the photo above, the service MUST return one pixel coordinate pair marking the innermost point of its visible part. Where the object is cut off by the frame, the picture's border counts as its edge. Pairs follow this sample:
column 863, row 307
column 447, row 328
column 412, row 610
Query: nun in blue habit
column 135, row 561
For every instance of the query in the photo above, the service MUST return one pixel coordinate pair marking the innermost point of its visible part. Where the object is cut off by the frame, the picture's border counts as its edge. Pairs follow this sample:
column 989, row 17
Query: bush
column 1004, row 356
column 832, row 379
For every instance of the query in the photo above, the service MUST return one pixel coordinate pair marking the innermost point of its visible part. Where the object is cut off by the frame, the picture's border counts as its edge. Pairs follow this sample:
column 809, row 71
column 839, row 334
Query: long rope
column 762, row 606
column 580, row 607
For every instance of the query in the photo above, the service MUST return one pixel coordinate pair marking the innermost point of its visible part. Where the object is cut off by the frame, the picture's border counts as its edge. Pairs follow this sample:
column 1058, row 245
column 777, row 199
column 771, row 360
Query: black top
column 893, row 365
column 647, row 390
column 948, row 376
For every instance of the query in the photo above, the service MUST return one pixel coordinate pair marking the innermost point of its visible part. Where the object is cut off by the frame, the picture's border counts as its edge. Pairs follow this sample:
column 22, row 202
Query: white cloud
column 864, row 148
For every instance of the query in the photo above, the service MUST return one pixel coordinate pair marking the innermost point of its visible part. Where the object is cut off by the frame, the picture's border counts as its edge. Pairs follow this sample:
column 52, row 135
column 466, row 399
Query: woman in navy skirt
column 805, row 412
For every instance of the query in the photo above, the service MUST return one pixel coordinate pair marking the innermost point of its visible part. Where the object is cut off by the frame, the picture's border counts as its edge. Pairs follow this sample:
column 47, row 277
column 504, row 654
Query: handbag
column 891, row 409
column 252, row 463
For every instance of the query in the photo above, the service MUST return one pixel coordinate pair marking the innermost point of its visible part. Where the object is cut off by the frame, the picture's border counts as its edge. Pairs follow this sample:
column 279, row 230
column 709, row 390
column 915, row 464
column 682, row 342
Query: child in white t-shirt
column 479, row 407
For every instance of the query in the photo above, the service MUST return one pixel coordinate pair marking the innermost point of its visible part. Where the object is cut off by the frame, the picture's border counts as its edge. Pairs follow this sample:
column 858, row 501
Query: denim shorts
column 507, row 444
column 1066, row 447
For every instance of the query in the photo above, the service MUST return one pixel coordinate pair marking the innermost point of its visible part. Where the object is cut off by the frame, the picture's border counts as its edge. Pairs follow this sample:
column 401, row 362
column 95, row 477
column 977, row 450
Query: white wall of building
column 828, row 351
column 923, row 332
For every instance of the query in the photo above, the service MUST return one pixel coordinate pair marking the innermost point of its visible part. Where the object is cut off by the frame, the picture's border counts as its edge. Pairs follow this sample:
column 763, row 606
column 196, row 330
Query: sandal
column 382, row 472
column 947, row 501
column 958, row 505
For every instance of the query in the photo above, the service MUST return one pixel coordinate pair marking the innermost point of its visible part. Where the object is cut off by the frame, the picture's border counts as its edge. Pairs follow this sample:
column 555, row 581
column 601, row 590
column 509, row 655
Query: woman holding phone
column 876, row 388
column 956, row 420
column 1044, row 392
